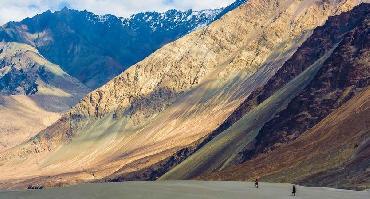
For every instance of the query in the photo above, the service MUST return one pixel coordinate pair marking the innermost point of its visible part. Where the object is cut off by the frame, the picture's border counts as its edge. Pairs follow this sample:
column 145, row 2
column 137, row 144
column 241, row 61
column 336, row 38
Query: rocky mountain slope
column 93, row 48
column 83, row 43
column 229, row 8
column 323, row 156
column 25, row 72
column 312, row 120
column 174, row 98
column 33, row 92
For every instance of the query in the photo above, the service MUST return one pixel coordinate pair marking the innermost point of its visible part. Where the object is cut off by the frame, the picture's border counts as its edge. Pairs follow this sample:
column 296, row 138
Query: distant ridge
column 94, row 48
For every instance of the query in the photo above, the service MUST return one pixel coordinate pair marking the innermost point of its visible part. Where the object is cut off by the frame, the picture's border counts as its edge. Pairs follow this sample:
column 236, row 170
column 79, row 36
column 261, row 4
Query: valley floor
column 184, row 189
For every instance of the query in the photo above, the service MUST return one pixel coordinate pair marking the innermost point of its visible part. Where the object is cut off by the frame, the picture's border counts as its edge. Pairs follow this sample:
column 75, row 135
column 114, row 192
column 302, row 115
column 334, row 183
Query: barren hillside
column 173, row 98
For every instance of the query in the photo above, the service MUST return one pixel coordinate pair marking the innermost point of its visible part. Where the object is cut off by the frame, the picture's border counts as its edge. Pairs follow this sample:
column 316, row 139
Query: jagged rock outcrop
column 173, row 98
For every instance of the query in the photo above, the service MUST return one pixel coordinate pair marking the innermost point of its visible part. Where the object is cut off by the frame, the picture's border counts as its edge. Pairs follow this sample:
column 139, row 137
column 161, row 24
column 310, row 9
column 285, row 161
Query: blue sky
column 14, row 10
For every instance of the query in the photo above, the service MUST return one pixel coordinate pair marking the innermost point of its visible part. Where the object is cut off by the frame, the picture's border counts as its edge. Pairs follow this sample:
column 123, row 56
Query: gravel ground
column 184, row 189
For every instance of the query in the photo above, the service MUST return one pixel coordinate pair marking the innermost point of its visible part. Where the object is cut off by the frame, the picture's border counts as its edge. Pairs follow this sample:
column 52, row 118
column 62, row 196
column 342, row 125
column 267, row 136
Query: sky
column 15, row 10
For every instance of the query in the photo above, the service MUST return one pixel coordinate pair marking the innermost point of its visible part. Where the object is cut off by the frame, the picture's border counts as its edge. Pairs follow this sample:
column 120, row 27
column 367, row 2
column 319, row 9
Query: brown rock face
column 323, row 156
column 285, row 149
column 345, row 73
column 322, row 41
column 354, row 173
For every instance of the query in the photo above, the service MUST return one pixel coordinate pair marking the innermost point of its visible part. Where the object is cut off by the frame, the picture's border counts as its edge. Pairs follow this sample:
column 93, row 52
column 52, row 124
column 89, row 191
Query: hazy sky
column 15, row 10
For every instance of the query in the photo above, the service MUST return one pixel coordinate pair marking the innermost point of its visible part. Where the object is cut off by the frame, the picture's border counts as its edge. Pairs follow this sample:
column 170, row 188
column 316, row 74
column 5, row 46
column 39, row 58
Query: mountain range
column 94, row 48
column 50, row 61
column 276, row 90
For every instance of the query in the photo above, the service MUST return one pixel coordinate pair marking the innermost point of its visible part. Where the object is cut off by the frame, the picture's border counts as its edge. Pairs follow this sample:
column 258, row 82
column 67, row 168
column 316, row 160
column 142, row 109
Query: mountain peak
column 72, row 38
column 65, row 9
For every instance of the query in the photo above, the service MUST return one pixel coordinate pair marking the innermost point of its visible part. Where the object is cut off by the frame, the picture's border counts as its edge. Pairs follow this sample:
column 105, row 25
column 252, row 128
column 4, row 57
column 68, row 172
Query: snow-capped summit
column 172, row 19
column 95, row 48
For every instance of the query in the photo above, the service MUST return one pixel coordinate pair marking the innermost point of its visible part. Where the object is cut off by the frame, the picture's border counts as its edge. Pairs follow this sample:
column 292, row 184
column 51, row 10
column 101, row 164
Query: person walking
column 256, row 183
column 294, row 190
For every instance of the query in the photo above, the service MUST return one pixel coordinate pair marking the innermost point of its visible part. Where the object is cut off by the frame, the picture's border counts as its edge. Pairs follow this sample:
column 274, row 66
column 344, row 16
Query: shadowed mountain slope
column 323, row 156
column 25, row 72
column 175, row 97
column 316, row 118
